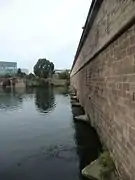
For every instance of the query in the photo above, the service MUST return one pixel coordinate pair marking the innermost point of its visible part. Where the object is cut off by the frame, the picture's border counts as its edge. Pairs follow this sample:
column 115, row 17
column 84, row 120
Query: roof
column 6, row 62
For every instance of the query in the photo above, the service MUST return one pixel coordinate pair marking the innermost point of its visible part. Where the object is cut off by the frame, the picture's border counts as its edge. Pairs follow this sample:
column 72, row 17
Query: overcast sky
column 32, row 29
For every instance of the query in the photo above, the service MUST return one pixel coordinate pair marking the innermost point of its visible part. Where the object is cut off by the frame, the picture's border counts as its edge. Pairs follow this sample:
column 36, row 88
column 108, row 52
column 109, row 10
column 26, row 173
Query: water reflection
column 44, row 99
column 62, row 90
column 10, row 99
column 34, row 145
column 30, row 90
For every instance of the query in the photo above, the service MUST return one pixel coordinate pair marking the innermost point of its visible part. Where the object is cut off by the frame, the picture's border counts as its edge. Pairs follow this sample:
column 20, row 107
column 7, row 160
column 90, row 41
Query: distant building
column 9, row 68
column 58, row 71
column 26, row 71
column 61, row 70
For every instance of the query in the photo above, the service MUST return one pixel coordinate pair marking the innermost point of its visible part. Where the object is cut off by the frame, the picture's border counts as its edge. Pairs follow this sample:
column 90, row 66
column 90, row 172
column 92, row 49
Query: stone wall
column 105, row 82
column 112, row 16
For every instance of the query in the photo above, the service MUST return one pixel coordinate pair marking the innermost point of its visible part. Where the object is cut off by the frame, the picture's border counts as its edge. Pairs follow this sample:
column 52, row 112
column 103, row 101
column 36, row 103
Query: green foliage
column 44, row 68
column 64, row 75
column 30, row 76
column 36, row 82
column 107, row 165
column 20, row 73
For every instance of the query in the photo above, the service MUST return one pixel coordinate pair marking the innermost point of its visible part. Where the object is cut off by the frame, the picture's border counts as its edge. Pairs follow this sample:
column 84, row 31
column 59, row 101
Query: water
column 39, row 139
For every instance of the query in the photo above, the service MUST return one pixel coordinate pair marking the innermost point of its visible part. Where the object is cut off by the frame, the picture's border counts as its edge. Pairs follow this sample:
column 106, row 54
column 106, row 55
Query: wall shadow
column 88, row 145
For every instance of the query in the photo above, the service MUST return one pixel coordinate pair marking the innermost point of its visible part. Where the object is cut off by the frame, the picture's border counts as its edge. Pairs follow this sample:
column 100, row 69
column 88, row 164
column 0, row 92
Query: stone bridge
column 103, row 73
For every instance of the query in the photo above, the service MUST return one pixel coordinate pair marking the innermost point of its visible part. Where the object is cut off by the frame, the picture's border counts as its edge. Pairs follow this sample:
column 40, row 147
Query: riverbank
column 33, row 82
column 40, row 82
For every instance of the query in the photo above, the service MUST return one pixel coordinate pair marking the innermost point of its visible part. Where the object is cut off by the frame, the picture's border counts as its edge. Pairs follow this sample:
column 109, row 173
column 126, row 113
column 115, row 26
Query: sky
column 33, row 29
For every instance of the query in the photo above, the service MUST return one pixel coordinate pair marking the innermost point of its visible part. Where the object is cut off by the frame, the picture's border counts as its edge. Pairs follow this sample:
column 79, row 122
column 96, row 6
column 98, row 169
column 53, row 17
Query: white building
column 8, row 68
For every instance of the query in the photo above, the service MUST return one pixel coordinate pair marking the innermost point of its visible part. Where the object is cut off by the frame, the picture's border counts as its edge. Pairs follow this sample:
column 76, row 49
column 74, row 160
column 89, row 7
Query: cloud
column 31, row 29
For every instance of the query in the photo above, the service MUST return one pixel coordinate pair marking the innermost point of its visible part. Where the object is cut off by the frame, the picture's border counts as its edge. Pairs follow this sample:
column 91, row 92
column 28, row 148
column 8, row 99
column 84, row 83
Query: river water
column 39, row 139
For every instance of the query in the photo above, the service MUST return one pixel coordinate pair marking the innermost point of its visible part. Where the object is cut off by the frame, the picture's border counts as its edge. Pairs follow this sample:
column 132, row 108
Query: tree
column 19, row 72
column 44, row 68
column 51, row 69
column 30, row 76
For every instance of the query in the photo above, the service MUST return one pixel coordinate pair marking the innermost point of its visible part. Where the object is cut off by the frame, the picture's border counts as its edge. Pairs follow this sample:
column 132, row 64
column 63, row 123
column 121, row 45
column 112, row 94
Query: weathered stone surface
column 106, row 84
column 111, row 18
column 72, row 94
column 74, row 97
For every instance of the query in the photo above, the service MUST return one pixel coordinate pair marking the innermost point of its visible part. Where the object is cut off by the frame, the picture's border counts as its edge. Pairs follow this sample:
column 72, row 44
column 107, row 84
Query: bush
column 30, row 76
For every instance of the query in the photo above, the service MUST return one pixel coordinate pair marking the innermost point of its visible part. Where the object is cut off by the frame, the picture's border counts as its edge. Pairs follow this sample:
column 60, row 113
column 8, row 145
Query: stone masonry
column 103, row 74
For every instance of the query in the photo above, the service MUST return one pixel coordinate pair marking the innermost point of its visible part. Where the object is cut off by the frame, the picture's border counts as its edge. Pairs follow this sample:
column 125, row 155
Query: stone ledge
column 92, row 171
column 76, row 104
column 83, row 118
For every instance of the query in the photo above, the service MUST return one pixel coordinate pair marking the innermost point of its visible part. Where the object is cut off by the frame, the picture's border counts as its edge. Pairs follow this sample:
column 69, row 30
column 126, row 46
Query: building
column 61, row 70
column 9, row 68
column 103, row 76
column 26, row 71
column 57, row 72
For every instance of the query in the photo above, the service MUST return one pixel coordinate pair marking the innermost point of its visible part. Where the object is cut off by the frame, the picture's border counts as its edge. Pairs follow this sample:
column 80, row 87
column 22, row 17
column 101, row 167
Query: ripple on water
column 9, row 108
column 54, row 152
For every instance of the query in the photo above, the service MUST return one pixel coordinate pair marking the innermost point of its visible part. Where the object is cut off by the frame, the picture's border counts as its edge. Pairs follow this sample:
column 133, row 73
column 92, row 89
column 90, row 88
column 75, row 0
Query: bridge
column 103, row 74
